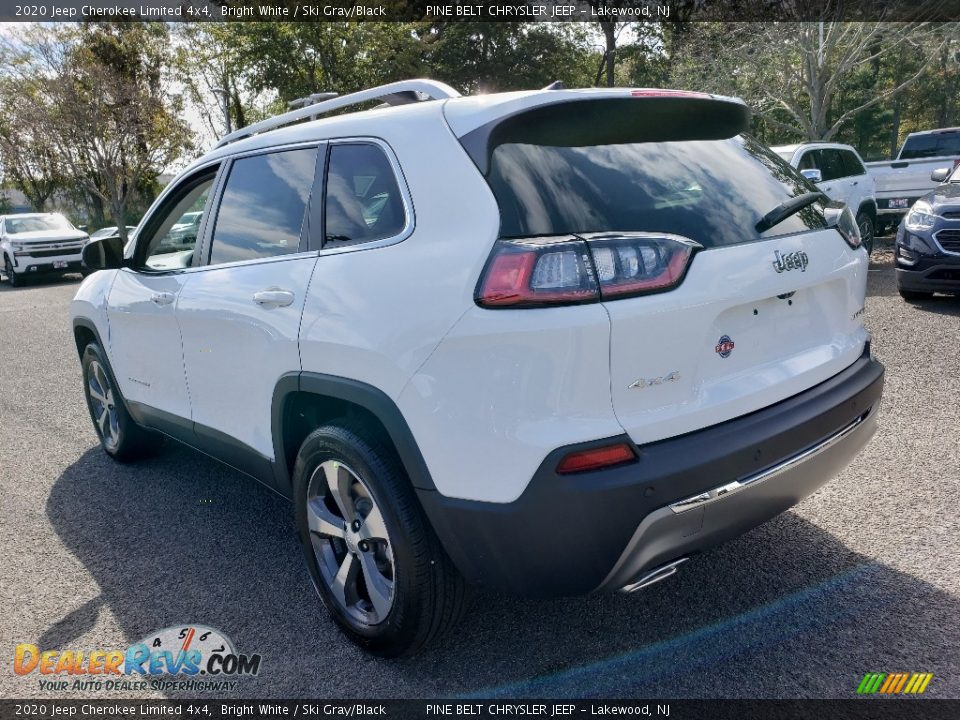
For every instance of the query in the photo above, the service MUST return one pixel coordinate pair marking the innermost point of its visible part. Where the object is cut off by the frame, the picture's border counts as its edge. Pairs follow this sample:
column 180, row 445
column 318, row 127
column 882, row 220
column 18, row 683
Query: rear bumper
column 573, row 534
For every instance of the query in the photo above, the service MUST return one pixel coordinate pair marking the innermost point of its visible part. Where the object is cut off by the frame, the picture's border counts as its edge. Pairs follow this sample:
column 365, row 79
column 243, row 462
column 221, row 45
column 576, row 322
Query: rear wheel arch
column 302, row 402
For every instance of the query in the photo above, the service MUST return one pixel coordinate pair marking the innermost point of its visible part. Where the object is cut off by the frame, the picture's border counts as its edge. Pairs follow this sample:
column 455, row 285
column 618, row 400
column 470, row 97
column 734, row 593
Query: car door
column 859, row 184
column 239, row 314
column 144, row 344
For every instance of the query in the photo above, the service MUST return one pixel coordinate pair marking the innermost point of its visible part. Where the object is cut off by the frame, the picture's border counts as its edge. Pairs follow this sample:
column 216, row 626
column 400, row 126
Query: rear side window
column 711, row 191
column 363, row 200
column 263, row 206
column 934, row 145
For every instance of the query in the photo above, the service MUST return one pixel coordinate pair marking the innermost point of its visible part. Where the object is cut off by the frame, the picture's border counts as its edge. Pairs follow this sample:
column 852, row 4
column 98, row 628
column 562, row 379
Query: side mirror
column 82, row 227
column 940, row 175
column 813, row 175
column 103, row 254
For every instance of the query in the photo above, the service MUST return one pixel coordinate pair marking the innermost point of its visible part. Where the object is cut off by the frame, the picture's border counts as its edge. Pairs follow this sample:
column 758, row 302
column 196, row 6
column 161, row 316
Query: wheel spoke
column 101, row 378
column 339, row 481
column 345, row 580
column 114, row 426
column 322, row 521
column 95, row 392
column 373, row 527
column 379, row 587
column 102, row 420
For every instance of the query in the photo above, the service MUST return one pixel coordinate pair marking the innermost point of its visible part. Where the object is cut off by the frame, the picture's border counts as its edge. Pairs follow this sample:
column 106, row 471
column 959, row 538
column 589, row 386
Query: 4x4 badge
column 724, row 346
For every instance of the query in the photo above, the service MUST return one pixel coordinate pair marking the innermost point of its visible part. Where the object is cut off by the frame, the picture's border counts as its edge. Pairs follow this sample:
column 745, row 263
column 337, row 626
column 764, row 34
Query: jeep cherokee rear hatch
column 725, row 287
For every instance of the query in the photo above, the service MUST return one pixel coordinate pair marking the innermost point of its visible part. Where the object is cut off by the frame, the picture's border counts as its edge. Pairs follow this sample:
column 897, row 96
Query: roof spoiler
column 654, row 116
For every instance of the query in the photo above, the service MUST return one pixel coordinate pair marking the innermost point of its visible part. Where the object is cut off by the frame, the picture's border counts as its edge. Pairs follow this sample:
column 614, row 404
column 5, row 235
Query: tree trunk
column 897, row 107
column 609, row 32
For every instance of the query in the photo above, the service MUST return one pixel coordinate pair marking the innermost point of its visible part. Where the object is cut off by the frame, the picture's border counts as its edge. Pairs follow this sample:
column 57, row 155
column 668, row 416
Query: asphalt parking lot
column 863, row 576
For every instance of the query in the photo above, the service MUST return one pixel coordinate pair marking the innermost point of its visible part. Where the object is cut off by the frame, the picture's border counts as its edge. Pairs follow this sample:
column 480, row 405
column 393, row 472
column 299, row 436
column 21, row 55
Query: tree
column 29, row 162
column 102, row 104
column 794, row 73
column 498, row 56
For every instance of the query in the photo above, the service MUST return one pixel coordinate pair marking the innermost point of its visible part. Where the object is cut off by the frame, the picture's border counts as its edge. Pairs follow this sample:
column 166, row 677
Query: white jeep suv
column 550, row 342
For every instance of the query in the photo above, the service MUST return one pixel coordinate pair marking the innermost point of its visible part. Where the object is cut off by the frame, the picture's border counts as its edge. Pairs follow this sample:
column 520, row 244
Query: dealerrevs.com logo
column 186, row 657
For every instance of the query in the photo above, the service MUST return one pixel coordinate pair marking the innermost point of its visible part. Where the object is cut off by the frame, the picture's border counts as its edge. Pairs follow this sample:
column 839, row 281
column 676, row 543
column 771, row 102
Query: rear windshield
column 711, row 191
column 934, row 145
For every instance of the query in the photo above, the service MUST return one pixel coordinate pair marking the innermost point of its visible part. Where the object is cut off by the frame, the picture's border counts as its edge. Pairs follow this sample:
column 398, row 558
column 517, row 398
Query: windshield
column 37, row 223
column 711, row 191
column 933, row 145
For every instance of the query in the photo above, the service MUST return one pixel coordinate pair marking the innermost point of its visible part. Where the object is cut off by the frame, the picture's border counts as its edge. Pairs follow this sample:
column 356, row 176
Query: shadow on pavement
column 785, row 611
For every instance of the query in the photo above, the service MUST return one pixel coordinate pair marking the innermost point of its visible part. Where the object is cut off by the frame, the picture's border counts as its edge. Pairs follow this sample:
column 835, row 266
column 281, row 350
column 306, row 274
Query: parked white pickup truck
column 901, row 182
column 838, row 171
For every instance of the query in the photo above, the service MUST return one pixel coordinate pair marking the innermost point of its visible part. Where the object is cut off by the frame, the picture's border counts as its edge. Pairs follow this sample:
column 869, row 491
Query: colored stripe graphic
column 894, row 683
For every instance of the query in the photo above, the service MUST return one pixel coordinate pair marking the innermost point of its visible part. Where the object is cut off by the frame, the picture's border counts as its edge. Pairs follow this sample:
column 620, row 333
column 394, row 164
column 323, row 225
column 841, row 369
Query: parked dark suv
column 928, row 241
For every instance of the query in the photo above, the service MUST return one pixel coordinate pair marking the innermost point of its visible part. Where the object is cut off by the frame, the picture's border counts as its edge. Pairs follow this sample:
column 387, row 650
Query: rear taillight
column 537, row 272
column 596, row 458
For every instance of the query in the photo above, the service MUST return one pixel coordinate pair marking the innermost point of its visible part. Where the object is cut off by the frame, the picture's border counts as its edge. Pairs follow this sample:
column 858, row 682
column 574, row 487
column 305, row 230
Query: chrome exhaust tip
column 654, row 576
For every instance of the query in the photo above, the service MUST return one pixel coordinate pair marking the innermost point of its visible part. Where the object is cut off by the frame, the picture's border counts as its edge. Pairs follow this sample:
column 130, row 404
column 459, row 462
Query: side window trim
column 316, row 212
column 400, row 179
column 142, row 238
column 206, row 228
column 305, row 245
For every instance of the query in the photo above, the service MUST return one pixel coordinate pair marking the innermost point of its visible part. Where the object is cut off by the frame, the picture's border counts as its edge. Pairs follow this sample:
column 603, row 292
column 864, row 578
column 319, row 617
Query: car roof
column 28, row 215
column 462, row 114
column 934, row 131
column 810, row 144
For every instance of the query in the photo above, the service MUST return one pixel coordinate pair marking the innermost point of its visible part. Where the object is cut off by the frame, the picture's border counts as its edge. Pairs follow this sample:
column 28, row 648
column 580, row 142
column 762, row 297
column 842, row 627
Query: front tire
column 373, row 557
column 12, row 277
column 119, row 435
column 867, row 231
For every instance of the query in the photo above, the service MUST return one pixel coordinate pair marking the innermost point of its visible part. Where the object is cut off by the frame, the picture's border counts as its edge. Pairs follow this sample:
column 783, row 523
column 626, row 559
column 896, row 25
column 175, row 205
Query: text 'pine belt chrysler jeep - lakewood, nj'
column 548, row 342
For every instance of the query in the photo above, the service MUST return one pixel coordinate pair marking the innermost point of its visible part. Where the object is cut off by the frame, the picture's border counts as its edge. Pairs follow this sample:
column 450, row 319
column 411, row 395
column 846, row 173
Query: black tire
column 119, row 435
column 867, row 230
column 427, row 594
column 914, row 295
column 12, row 278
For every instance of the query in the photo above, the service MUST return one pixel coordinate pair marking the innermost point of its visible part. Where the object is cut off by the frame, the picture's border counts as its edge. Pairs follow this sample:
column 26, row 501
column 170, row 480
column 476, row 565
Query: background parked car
column 928, row 241
column 901, row 182
column 37, row 243
column 838, row 171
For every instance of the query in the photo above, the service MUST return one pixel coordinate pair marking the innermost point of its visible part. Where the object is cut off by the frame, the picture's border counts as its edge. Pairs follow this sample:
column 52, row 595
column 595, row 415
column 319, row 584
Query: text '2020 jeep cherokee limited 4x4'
column 550, row 342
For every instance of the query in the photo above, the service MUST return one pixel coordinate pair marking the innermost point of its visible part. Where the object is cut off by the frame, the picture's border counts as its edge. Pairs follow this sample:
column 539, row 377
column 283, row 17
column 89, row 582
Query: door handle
column 273, row 297
column 162, row 298
column 855, row 182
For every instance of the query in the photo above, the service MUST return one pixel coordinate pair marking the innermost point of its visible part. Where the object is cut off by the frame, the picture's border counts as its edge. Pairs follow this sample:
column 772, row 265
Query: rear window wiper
column 787, row 208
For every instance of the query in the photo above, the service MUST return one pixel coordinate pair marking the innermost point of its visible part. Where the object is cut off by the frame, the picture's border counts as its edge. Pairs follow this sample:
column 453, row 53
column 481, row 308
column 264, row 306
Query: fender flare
column 371, row 399
column 87, row 324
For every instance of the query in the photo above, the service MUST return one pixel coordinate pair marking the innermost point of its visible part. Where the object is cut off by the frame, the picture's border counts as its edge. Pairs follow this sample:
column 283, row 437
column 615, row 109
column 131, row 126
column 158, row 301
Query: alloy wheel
column 350, row 542
column 103, row 404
